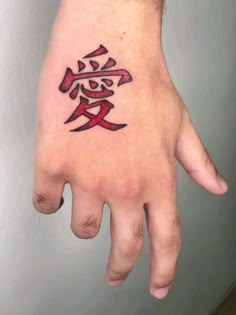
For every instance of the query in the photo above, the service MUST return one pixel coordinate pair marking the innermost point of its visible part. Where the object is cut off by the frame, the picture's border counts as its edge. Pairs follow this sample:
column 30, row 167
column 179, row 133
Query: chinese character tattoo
column 92, row 88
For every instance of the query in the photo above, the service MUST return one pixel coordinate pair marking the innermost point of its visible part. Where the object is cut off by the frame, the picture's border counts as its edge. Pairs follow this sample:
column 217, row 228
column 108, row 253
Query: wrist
column 120, row 21
column 131, row 29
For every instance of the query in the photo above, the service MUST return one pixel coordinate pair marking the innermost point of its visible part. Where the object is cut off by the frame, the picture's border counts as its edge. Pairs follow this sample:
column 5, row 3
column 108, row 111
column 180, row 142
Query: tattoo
column 96, row 86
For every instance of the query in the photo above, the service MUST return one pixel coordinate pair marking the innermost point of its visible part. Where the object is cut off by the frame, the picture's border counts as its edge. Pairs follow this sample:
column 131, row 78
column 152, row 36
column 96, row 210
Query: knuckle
column 176, row 224
column 84, row 233
column 130, row 250
column 86, row 229
column 92, row 185
column 138, row 230
column 172, row 243
column 131, row 187
column 43, row 204
column 51, row 167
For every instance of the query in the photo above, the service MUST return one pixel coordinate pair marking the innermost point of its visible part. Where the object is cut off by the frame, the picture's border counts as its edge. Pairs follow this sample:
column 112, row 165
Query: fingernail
column 160, row 294
column 115, row 283
column 222, row 183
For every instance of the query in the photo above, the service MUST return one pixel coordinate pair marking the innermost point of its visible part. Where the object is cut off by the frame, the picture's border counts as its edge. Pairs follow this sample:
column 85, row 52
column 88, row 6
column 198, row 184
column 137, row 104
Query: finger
column 48, row 190
column 87, row 212
column 164, row 232
column 127, row 242
column 193, row 156
column 165, row 240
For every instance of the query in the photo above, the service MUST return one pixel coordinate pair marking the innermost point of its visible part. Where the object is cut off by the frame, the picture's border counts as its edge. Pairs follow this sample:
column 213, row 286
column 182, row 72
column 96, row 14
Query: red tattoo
column 94, row 90
column 98, row 119
column 100, row 51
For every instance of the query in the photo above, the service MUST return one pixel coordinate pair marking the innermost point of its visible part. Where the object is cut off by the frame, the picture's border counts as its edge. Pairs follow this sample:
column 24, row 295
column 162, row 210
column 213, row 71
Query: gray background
column 44, row 269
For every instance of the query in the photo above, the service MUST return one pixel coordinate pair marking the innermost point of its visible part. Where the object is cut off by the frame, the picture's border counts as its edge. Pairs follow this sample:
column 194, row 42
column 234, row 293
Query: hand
column 130, row 169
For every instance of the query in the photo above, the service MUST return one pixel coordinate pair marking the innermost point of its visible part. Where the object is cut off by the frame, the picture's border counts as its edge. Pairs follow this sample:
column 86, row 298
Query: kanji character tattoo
column 94, row 85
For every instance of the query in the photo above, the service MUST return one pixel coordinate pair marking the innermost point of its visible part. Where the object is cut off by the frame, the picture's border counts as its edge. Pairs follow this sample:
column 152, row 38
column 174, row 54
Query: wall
column 44, row 269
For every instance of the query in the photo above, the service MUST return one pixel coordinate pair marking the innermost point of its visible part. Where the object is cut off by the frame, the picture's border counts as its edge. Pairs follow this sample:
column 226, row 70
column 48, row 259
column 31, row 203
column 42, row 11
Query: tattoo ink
column 92, row 88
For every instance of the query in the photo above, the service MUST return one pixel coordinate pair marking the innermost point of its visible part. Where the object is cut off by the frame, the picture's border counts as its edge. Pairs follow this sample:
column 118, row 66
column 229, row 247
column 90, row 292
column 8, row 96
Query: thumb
column 193, row 156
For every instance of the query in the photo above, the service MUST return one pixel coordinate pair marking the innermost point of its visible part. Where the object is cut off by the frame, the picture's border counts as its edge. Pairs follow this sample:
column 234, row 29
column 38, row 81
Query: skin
column 133, row 168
